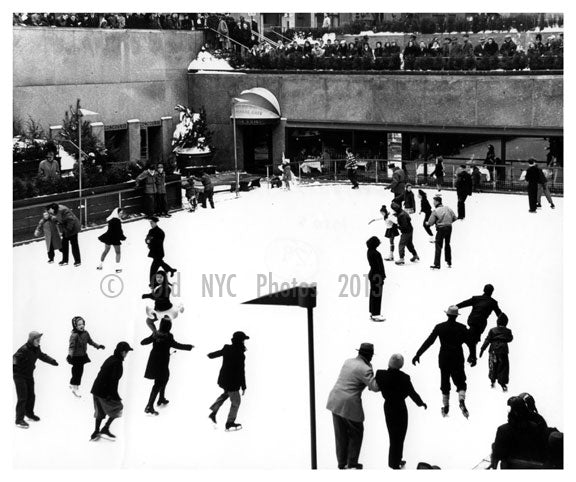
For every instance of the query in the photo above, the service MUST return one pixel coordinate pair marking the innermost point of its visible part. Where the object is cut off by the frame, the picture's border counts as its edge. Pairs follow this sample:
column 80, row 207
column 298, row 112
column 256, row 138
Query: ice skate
column 464, row 409
column 150, row 410
column 77, row 264
column 63, row 263
column 75, row 390
column 432, row 240
column 107, row 434
column 22, row 424
column 389, row 258
column 118, row 269
column 233, row 426
column 414, row 259
column 491, row 384
column 434, row 267
column 34, row 418
column 51, row 261
column 95, row 436
column 377, row 318
column 504, row 388
column 99, row 267
column 163, row 401
column 400, row 261
column 212, row 417
column 444, row 410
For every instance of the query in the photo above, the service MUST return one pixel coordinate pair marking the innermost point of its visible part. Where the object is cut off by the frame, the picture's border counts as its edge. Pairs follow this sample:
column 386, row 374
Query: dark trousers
column 352, row 177
column 376, row 285
column 149, row 204
column 426, row 227
column 475, row 334
column 406, row 242
column 51, row 252
column 462, row 205
column 159, row 387
column 77, row 372
column 26, row 397
column 532, row 196
column 208, row 195
column 499, row 368
column 397, row 423
column 235, row 400
column 348, row 436
column 454, row 371
column 161, row 203
column 158, row 263
column 443, row 234
column 66, row 242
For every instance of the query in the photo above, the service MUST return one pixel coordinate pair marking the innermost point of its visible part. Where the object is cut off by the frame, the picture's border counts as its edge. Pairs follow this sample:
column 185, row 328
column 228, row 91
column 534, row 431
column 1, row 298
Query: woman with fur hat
column 376, row 276
column 158, row 362
column 77, row 352
column 113, row 237
column 395, row 386
column 163, row 307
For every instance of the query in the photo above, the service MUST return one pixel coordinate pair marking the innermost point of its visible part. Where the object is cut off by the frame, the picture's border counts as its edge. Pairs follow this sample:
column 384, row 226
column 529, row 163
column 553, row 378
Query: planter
column 189, row 158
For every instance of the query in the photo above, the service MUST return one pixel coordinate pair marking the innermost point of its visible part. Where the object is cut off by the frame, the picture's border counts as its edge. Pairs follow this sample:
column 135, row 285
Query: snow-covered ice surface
column 314, row 234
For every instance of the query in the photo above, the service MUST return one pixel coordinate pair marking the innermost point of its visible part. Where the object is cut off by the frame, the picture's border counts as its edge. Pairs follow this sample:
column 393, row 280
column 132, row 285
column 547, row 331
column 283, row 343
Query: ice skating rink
column 255, row 243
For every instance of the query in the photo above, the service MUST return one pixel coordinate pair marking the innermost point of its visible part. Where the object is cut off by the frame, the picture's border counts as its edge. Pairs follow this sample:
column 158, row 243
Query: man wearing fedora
column 345, row 403
column 450, row 358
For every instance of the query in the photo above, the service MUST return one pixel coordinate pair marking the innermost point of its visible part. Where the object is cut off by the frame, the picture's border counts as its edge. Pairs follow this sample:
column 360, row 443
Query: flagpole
column 313, row 456
column 80, row 163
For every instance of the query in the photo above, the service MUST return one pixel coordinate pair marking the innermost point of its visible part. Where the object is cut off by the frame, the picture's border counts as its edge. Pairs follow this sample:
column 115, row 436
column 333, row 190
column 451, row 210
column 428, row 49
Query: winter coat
column 159, row 359
column 49, row 228
column 498, row 339
column 375, row 261
column 206, row 182
column 442, row 216
column 160, row 183
column 533, row 175
column 67, row 221
column 232, row 376
column 106, row 382
column 425, row 206
column 345, row 399
column 49, row 170
column 161, row 296
column 482, row 307
column 407, row 197
column 521, row 440
column 395, row 386
column 404, row 223
column 148, row 180
column 452, row 336
column 24, row 360
column 155, row 242
column 398, row 184
column 114, row 235
column 464, row 183
column 78, row 345
column 438, row 170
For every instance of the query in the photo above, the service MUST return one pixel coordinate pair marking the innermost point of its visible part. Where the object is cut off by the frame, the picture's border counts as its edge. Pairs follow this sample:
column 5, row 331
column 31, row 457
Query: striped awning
column 258, row 104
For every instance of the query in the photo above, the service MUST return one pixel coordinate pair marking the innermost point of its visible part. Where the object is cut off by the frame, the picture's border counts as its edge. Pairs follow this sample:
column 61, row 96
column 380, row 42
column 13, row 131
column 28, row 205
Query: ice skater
column 395, row 386
column 452, row 336
column 157, row 368
column 287, row 176
column 543, row 190
column 148, row 179
column 463, row 190
column 406, row 230
column 113, row 237
column 438, row 172
column 376, row 276
column 23, row 365
column 77, row 352
column 533, row 178
column 345, row 403
column 427, row 210
column 231, row 379
column 155, row 242
column 482, row 307
column 498, row 363
column 107, row 401
column 70, row 227
column 163, row 307
column 351, row 167
column 398, row 184
column 391, row 229
column 191, row 193
column 161, row 200
column 48, row 228
column 408, row 199
column 208, row 194
column 442, row 217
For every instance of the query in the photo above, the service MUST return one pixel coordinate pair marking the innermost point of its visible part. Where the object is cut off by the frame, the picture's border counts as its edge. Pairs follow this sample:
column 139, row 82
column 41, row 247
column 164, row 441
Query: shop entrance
column 257, row 141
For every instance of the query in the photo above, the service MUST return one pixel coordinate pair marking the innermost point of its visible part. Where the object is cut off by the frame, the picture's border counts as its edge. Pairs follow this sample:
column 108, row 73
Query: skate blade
column 152, row 414
column 95, row 439
column 105, row 437
column 235, row 429
column 77, row 395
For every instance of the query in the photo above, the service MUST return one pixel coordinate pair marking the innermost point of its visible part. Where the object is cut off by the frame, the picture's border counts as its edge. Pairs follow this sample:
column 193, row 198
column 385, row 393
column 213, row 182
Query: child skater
column 163, row 307
column 407, row 197
column 48, row 227
column 498, row 364
column 158, row 362
column 287, row 176
column 77, row 357
column 391, row 229
column 427, row 210
column 113, row 237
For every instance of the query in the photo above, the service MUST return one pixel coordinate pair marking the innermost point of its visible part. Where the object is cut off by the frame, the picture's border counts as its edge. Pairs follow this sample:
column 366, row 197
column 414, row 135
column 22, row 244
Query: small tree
column 90, row 143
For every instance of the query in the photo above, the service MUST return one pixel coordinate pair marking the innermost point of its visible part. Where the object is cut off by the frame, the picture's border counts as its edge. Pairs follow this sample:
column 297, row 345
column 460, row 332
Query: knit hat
column 452, row 311
column 33, row 335
column 75, row 321
column 396, row 361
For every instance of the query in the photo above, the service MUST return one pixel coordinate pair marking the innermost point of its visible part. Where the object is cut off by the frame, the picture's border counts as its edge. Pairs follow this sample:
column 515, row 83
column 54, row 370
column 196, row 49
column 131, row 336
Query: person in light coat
column 48, row 227
column 345, row 403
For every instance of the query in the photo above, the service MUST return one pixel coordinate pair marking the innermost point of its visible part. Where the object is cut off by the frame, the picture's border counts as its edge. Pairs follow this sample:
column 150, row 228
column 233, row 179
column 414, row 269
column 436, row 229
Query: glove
column 481, row 353
column 415, row 360
column 55, row 363
column 101, row 347
column 69, row 359
column 425, row 407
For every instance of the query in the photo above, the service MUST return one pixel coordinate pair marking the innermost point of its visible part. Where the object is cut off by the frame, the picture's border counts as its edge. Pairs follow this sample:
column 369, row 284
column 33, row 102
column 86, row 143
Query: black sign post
column 305, row 297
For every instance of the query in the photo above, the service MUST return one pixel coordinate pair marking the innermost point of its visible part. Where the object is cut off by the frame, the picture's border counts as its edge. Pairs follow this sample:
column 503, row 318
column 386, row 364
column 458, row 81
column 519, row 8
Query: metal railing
column 507, row 177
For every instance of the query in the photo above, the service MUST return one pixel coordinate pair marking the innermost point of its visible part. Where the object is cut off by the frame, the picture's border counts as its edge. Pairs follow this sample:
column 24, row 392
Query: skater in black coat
column 113, row 237
column 427, row 210
column 23, row 366
column 463, row 190
column 107, row 401
column 407, row 198
column 395, row 386
column 376, row 276
column 450, row 358
column 158, row 362
column 155, row 242
column 231, row 378
column 533, row 178
column 498, row 364
column 482, row 307
column 77, row 352
column 163, row 307
column 406, row 230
